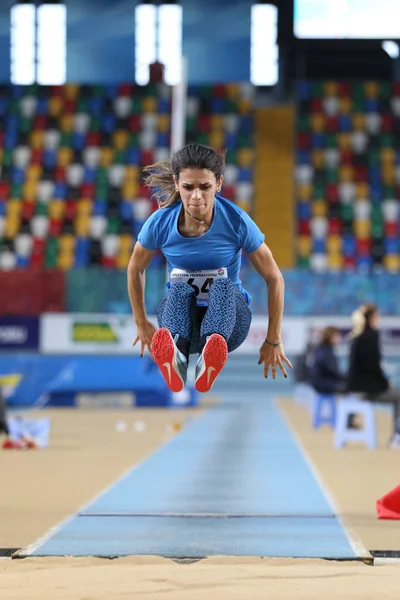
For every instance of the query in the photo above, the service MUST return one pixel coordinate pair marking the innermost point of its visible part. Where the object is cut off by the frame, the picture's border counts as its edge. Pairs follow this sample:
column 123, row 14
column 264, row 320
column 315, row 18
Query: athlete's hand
column 145, row 332
column 273, row 357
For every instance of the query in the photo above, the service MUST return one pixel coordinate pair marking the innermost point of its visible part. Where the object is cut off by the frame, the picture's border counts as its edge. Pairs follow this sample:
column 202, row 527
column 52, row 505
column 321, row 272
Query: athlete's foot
column 211, row 362
column 171, row 362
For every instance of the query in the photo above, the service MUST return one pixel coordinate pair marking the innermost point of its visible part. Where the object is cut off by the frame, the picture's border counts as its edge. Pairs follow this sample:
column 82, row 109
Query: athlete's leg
column 225, row 326
column 171, row 343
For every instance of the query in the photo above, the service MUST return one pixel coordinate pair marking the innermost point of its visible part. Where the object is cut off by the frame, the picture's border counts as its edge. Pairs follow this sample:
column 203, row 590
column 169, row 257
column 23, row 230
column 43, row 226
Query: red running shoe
column 211, row 362
column 171, row 362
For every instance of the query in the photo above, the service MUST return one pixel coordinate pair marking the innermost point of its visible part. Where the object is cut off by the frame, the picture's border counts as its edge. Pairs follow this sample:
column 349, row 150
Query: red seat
column 93, row 138
column 28, row 210
column 108, row 262
column 204, row 123
column 391, row 229
column 332, row 193
column 87, row 190
column 303, row 141
column 134, row 124
column 4, row 190
column 55, row 227
column 70, row 210
column 59, row 175
column 363, row 246
column 125, row 89
column 37, row 156
column 40, row 122
column 316, row 105
column 334, row 226
column 303, row 227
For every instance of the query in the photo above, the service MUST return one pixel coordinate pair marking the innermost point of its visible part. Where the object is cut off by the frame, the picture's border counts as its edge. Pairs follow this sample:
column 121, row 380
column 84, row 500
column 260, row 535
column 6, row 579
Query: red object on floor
column 388, row 507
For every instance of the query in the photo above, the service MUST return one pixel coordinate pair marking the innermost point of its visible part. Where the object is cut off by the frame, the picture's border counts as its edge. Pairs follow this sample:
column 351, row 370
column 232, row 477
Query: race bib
column 199, row 280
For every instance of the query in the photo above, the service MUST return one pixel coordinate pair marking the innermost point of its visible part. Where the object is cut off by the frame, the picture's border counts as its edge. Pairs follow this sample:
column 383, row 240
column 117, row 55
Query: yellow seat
column 120, row 139
column 54, row 106
column 335, row 261
column 33, row 172
column 71, row 90
column 130, row 190
column 388, row 174
column 81, row 225
column 1, row 155
column 12, row 226
column 345, row 105
column 330, row 88
column 245, row 157
column 358, row 122
column 64, row 157
column 304, row 245
column 244, row 106
column 106, row 156
column 149, row 104
column 392, row 262
column 67, row 123
column 13, row 208
column 217, row 122
column 362, row 191
column 67, row 243
column 163, row 123
column 132, row 173
column 65, row 260
column 29, row 191
column 37, row 138
column 304, row 191
column 318, row 122
column 126, row 242
column 56, row 209
column 319, row 208
column 217, row 139
column 122, row 259
column 371, row 89
column 318, row 159
column 232, row 91
column 387, row 156
column 334, row 244
column 346, row 173
column 344, row 141
column 362, row 228
column 84, row 207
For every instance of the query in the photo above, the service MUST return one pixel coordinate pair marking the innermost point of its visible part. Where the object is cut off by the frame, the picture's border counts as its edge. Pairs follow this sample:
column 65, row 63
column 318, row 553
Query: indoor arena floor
column 238, row 498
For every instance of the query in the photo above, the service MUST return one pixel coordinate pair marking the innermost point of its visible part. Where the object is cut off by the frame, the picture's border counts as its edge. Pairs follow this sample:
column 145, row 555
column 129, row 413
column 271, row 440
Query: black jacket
column 325, row 375
column 365, row 372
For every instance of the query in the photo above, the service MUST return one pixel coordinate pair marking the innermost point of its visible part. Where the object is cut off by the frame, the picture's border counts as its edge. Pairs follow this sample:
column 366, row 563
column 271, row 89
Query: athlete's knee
column 181, row 290
column 223, row 285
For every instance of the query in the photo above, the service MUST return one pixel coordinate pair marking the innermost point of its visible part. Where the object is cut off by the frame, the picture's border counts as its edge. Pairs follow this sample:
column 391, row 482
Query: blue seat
column 324, row 410
column 345, row 123
column 50, row 159
column 89, row 175
column 109, row 123
column 125, row 210
column 319, row 246
column 318, row 140
column 231, row 140
column 352, row 405
column 163, row 106
column 162, row 140
column 41, row 106
column 304, row 211
column 18, row 175
column 60, row 190
column 132, row 156
column 78, row 140
column 22, row 262
column 304, row 90
column 95, row 106
column 99, row 208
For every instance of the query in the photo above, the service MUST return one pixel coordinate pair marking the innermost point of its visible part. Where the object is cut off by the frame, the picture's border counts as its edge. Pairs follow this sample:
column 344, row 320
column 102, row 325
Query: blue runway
column 233, row 482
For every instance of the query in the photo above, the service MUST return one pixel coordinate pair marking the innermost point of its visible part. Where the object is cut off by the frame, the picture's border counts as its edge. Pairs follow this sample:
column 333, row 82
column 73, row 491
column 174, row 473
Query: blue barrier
column 62, row 378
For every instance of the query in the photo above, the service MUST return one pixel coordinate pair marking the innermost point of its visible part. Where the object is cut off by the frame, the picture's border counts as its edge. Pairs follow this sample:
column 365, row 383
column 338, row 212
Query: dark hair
column 327, row 335
column 370, row 310
column 160, row 176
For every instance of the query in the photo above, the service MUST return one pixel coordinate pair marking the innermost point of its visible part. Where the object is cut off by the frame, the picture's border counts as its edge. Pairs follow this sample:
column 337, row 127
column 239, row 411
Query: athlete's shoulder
column 157, row 227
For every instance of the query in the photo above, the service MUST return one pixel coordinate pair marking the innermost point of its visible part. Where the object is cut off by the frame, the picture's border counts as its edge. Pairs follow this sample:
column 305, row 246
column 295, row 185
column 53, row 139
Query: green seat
column 119, row 157
column 373, row 157
column 303, row 123
column 318, row 190
column 386, row 140
column 331, row 141
column 16, row 190
column 95, row 123
column 389, row 192
column 82, row 105
column 377, row 230
column 332, row 175
column 303, row 262
column 385, row 90
column 25, row 125
column 50, row 261
column 134, row 140
column 113, row 225
column 65, row 140
column 191, row 124
column 41, row 209
column 317, row 89
column 347, row 212
column 7, row 157
column 230, row 157
column 51, row 246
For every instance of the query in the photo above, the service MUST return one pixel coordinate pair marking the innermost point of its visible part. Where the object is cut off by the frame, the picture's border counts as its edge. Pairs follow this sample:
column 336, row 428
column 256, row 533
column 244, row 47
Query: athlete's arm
column 265, row 265
column 139, row 261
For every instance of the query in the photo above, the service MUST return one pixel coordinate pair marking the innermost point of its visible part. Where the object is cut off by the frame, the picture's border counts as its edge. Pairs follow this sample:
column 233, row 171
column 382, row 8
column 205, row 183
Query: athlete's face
column 197, row 189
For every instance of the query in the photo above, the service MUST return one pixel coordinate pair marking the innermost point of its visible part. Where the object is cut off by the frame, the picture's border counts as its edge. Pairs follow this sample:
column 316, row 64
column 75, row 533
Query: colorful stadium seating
column 71, row 192
column 348, row 176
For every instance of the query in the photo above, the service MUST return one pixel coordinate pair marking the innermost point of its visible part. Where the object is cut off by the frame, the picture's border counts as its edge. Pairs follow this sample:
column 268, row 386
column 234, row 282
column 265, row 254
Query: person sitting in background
column 365, row 374
column 325, row 375
column 303, row 365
